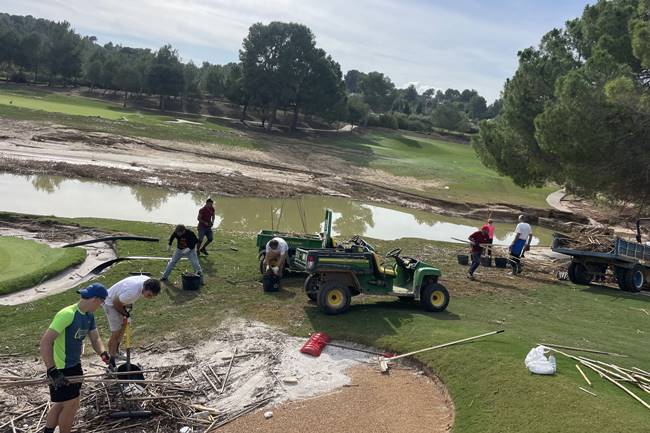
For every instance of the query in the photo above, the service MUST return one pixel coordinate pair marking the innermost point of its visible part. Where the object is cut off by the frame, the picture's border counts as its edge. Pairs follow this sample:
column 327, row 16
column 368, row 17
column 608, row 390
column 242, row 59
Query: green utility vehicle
column 338, row 274
column 296, row 240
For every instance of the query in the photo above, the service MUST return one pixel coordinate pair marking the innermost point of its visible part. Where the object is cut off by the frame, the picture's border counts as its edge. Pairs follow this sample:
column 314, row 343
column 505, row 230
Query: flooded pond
column 54, row 195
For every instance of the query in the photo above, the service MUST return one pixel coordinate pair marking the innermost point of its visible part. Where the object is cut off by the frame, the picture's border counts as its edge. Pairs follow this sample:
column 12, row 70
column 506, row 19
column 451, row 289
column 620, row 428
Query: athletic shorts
column 68, row 392
column 205, row 231
column 114, row 318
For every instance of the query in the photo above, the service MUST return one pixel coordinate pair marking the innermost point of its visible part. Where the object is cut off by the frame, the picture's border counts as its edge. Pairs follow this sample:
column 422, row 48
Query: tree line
column 280, row 68
column 577, row 110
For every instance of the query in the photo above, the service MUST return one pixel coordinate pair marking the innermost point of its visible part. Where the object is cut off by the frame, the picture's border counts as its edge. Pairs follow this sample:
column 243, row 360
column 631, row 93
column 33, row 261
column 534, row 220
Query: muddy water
column 54, row 195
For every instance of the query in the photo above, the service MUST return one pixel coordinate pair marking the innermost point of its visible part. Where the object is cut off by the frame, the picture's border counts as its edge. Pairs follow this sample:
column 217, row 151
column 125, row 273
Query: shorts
column 205, row 231
column 68, row 392
column 114, row 317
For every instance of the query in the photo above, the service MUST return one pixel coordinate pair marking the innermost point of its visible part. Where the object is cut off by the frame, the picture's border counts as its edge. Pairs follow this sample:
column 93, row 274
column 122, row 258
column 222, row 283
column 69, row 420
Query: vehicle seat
column 386, row 270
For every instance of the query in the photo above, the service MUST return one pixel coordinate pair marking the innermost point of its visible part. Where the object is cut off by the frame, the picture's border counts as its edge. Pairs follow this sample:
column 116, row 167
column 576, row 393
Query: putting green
column 25, row 263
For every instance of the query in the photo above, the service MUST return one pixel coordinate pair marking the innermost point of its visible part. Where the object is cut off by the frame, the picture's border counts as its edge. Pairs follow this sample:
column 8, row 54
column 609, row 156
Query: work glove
column 57, row 379
column 126, row 314
column 111, row 364
column 105, row 357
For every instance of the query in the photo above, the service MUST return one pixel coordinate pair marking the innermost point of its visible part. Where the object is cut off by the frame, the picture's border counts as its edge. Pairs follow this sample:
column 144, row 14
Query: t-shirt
column 186, row 240
column 72, row 326
column 478, row 237
column 491, row 231
column 283, row 247
column 127, row 290
column 522, row 231
column 206, row 213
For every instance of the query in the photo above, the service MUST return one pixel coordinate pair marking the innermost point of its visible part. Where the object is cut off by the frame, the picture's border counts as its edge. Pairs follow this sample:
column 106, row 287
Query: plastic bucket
column 463, row 259
column 191, row 281
column 501, row 262
column 270, row 283
column 315, row 344
column 486, row 261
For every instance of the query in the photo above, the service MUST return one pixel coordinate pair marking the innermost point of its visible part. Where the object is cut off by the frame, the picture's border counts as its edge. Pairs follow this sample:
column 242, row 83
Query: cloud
column 467, row 45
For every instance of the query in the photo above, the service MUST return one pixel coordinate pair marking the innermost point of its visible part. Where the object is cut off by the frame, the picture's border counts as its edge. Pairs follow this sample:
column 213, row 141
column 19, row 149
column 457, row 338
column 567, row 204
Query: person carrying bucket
column 520, row 244
column 275, row 258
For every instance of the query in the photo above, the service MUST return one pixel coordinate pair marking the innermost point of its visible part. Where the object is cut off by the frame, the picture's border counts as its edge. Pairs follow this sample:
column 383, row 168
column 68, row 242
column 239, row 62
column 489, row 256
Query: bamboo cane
column 583, row 375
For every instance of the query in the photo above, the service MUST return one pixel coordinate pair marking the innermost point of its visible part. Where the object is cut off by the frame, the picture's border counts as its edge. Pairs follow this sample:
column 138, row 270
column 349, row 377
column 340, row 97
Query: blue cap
column 95, row 290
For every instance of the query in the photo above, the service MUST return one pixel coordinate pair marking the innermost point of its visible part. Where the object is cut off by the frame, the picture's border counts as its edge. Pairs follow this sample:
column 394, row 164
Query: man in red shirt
column 206, row 220
column 477, row 239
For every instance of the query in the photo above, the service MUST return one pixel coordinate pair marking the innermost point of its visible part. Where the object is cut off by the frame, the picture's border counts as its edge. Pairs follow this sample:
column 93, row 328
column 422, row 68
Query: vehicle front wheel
column 434, row 297
column 311, row 286
column 334, row 299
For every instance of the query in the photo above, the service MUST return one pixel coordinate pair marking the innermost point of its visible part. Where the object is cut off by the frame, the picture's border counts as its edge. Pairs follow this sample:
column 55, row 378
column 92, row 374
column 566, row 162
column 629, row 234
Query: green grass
column 25, row 263
column 457, row 169
column 89, row 114
column 454, row 171
column 490, row 386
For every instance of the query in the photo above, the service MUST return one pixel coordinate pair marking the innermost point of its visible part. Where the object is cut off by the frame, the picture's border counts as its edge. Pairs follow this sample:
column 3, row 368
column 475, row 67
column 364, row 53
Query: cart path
column 402, row 401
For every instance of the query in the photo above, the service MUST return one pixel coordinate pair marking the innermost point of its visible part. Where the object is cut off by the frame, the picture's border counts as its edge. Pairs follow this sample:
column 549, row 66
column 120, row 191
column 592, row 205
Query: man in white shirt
column 277, row 250
column 121, row 297
column 520, row 243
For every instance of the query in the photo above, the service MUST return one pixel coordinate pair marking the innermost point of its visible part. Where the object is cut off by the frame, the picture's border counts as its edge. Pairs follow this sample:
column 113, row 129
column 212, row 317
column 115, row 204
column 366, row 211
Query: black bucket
column 270, row 283
column 463, row 259
column 191, row 281
column 134, row 370
column 501, row 262
column 486, row 261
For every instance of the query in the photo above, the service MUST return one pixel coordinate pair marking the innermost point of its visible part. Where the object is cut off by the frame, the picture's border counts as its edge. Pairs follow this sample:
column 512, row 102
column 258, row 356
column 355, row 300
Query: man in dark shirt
column 206, row 220
column 477, row 239
column 186, row 244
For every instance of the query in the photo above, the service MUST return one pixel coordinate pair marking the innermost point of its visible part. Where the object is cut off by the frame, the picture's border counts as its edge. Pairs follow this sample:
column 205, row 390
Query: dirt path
column 286, row 168
column 403, row 401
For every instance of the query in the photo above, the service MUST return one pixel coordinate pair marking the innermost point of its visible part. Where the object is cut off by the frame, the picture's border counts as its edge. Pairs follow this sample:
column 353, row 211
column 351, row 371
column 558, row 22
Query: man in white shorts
column 121, row 297
column 277, row 250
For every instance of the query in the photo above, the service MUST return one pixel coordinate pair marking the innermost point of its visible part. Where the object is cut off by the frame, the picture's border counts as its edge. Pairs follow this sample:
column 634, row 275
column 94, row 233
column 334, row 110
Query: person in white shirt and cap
column 275, row 258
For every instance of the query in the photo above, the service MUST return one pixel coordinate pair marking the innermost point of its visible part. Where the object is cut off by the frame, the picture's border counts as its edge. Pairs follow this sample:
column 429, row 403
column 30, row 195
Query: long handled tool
column 383, row 364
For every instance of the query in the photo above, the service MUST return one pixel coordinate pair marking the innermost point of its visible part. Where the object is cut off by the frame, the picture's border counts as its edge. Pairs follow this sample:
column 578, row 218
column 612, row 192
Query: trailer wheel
column 634, row 279
column 334, row 298
column 311, row 286
column 578, row 274
column 434, row 297
column 621, row 277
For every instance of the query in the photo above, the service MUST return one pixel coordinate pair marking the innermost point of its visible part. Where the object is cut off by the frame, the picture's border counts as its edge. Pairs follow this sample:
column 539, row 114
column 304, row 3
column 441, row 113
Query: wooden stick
column 210, row 382
column 582, row 350
column 161, row 397
column 215, row 374
column 587, row 391
column 583, row 375
column 24, row 414
column 225, row 379
column 636, row 397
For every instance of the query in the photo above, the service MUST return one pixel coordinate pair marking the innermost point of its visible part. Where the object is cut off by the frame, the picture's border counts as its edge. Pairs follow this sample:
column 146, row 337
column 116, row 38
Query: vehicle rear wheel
column 635, row 279
column 311, row 286
column 434, row 297
column 334, row 299
column 578, row 274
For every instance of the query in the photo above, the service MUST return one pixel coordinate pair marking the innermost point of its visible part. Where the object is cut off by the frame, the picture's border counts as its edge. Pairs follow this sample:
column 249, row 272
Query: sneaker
column 470, row 277
column 204, row 251
column 163, row 279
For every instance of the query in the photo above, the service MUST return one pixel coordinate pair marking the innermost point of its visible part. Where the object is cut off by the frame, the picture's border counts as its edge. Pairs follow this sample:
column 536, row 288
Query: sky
column 432, row 44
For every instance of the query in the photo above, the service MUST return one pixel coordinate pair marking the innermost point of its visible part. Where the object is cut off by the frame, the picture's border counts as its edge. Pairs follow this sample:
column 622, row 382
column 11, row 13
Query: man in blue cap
column 61, row 347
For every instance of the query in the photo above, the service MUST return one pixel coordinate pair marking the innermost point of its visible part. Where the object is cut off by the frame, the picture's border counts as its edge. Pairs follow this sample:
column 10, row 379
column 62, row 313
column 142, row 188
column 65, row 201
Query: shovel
column 127, row 366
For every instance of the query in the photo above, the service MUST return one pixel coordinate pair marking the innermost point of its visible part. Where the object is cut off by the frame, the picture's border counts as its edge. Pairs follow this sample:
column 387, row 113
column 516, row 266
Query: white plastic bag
column 537, row 363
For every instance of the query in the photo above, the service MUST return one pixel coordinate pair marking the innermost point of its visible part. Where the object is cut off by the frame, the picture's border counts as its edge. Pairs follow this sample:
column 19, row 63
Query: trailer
column 295, row 241
column 629, row 261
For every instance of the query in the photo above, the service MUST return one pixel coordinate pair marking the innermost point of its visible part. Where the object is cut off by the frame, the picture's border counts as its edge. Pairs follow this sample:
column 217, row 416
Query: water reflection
column 48, row 184
column 54, row 195
column 150, row 198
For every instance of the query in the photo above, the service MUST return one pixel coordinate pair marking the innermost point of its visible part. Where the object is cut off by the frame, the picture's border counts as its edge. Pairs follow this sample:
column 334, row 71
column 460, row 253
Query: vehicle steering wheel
column 394, row 253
